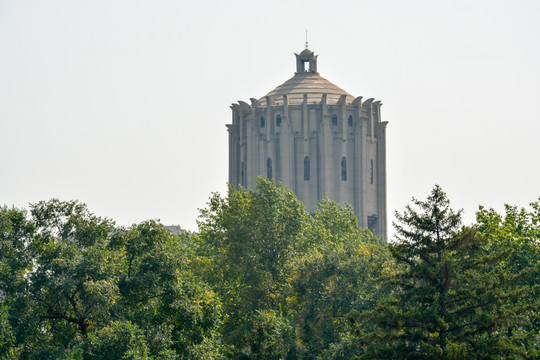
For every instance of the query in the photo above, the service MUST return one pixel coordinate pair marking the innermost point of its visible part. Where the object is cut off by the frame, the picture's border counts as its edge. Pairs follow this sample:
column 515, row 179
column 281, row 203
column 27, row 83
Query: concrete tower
column 316, row 139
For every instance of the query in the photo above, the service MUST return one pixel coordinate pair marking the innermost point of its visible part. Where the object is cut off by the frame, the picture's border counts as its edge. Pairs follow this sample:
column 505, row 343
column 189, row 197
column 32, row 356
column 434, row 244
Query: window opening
column 278, row 120
column 372, row 223
column 343, row 169
column 269, row 168
column 334, row 120
column 350, row 120
column 371, row 171
column 306, row 168
column 263, row 121
column 243, row 175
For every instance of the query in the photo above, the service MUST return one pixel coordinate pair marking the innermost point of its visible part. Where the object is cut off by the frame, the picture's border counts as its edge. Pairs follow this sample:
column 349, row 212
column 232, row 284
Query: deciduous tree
column 73, row 284
column 245, row 240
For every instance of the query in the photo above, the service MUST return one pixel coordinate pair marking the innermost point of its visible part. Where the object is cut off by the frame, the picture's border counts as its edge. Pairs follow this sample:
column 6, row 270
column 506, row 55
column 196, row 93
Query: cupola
column 306, row 56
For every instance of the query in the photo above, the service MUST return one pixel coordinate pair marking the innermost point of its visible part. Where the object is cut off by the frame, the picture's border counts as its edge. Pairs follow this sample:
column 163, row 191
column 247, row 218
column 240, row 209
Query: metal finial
column 306, row 40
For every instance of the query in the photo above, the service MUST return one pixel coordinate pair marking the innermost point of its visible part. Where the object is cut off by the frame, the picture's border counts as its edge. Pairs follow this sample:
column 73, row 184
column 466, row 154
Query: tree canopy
column 71, row 280
column 451, row 297
column 263, row 279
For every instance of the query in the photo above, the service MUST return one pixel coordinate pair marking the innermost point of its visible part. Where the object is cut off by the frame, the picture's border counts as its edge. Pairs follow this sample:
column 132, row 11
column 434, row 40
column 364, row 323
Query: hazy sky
column 123, row 104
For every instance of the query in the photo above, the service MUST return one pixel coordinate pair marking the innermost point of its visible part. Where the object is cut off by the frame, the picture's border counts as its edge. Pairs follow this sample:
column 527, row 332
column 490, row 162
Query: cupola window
column 350, row 120
column 278, row 120
column 334, row 120
column 263, row 122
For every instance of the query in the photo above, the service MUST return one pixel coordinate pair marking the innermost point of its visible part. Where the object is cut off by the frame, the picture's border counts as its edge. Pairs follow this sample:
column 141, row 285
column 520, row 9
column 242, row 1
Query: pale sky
column 122, row 104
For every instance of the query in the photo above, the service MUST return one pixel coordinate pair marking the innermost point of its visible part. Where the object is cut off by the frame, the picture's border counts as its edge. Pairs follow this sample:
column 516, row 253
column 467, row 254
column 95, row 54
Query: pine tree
column 451, row 299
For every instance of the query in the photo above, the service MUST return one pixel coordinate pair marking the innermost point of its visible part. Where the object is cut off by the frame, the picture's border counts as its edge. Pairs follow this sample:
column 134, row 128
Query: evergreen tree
column 451, row 298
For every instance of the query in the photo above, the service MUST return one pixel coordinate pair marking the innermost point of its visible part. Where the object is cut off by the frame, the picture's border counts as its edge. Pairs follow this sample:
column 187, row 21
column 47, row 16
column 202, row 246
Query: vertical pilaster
column 250, row 149
column 268, row 144
column 253, row 145
column 359, row 131
column 381, row 177
column 325, row 168
column 344, row 185
column 243, row 151
column 309, row 190
column 343, row 116
column 268, row 117
column 368, row 106
column 286, row 149
column 232, row 162
column 233, row 146
column 305, row 117
column 366, row 168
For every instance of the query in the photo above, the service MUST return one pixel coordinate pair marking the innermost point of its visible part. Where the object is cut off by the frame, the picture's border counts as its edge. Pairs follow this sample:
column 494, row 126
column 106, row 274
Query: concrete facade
column 316, row 139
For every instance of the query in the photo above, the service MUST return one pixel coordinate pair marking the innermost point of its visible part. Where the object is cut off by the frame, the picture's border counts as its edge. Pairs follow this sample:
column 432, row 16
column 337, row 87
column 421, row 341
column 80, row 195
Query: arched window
column 278, row 120
column 243, row 175
column 371, row 171
column 334, row 120
column 350, row 120
column 269, row 168
column 343, row 169
column 306, row 168
column 263, row 121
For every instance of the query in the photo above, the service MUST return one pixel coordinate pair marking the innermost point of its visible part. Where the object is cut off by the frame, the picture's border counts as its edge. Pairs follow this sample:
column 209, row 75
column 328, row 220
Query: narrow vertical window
column 263, row 121
column 350, row 120
column 372, row 223
column 334, row 120
column 243, row 175
column 343, row 169
column 269, row 168
column 306, row 168
column 371, row 171
column 278, row 120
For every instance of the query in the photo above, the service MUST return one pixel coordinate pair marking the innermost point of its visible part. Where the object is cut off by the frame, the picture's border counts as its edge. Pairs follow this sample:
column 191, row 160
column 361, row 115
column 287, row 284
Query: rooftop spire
column 306, row 40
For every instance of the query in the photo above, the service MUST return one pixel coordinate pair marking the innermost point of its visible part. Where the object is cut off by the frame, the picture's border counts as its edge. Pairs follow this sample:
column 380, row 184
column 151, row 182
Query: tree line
column 263, row 279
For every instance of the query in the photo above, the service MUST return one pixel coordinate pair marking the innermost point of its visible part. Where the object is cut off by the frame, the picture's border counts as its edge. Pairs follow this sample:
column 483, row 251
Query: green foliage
column 263, row 279
column 517, row 233
column 7, row 338
column 245, row 241
column 117, row 341
column 292, row 285
column 73, row 354
column 270, row 338
column 334, row 281
column 451, row 298
column 74, row 282
column 161, row 293
column 334, row 221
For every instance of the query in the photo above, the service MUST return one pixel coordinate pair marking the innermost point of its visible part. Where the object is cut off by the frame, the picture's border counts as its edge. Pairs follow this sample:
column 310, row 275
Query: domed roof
column 306, row 54
column 308, row 83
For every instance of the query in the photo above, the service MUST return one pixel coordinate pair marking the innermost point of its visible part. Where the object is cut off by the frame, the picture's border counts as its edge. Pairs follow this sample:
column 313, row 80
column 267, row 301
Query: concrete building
column 316, row 139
